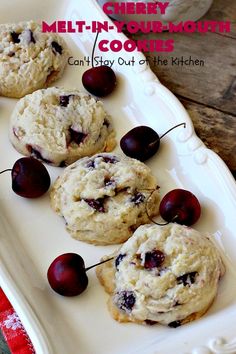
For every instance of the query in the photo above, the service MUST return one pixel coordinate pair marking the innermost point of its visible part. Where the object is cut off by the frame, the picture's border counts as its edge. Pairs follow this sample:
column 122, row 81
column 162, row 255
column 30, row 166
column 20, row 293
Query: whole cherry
column 142, row 142
column 30, row 178
column 67, row 274
column 180, row 206
column 100, row 81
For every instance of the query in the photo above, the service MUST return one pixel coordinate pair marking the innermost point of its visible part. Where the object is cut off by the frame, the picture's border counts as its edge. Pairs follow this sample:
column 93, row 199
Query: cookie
column 104, row 198
column 162, row 274
column 29, row 59
column 60, row 126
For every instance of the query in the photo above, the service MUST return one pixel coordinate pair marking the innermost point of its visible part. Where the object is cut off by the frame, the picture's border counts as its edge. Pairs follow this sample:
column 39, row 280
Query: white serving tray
column 32, row 235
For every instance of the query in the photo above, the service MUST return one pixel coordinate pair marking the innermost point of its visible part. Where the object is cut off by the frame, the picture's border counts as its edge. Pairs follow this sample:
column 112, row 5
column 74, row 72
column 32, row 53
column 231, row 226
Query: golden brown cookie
column 104, row 198
column 166, row 274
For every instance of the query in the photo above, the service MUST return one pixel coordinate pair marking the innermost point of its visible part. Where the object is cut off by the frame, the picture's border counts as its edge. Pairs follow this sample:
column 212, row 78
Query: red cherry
column 154, row 259
column 180, row 206
column 142, row 142
column 100, row 81
column 67, row 274
column 30, row 178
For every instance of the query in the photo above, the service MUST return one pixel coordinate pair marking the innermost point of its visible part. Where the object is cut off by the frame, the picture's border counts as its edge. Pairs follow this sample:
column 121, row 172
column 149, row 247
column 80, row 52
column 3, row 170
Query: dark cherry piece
column 30, row 178
column 67, row 274
column 126, row 300
column 91, row 164
column 119, row 259
column 64, row 100
column 110, row 159
column 62, row 164
column 37, row 154
column 174, row 324
column 142, row 142
column 106, row 123
column 180, row 206
column 150, row 322
column 137, row 198
column 109, row 182
column 57, row 48
column 15, row 37
column 76, row 137
column 96, row 204
column 153, row 259
column 100, row 81
column 107, row 159
column 32, row 37
column 187, row 279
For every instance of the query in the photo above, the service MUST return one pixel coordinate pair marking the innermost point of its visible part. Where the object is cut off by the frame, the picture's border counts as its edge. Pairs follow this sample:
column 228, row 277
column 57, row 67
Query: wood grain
column 213, row 84
column 208, row 92
column 216, row 129
column 223, row 11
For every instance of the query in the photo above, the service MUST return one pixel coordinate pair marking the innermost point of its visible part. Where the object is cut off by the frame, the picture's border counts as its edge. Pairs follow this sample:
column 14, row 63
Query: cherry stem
column 107, row 260
column 8, row 169
column 176, row 126
column 94, row 49
column 149, row 217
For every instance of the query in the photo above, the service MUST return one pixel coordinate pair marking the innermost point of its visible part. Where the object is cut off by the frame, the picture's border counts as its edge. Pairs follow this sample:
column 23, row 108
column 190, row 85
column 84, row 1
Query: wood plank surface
column 224, row 10
column 218, row 136
column 213, row 84
column 208, row 92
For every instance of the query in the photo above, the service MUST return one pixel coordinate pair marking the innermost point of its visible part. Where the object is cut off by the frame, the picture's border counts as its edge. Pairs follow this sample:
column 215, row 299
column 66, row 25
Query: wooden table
column 209, row 92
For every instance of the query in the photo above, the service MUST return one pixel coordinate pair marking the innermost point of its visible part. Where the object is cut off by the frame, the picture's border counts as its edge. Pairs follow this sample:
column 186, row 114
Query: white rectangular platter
column 32, row 235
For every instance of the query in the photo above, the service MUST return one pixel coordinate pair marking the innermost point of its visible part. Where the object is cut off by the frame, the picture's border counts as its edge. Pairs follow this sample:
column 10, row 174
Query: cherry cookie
column 60, row 126
column 104, row 198
column 29, row 59
column 162, row 274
